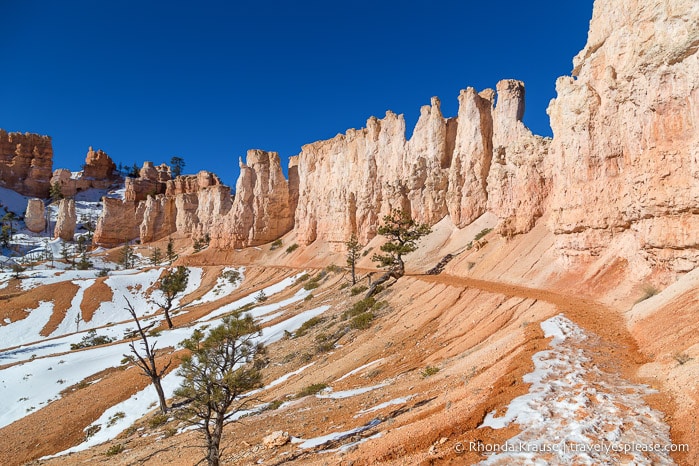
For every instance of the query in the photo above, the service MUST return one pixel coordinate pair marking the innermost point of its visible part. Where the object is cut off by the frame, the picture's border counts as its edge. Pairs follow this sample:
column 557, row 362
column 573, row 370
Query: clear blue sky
column 207, row 80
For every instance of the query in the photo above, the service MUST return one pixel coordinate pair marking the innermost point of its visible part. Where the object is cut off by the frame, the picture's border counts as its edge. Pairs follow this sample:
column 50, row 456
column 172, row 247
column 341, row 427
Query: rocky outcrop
column 152, row 181
column 118, row 223
column 98, row 166
column 98, row 172
column 35, row 216
column 189, row 205
column 25, row 163
column 261, row 211
column 519, row 177
column 484, row 159
column 66, row 220
column 626, row 141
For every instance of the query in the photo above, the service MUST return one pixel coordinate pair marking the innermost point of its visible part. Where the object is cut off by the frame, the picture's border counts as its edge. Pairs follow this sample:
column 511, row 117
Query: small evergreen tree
column 353, row 248
column 402, row 233
column 170, row 251
column 216, row 375
column 134, row 172
column 177, row 164
column 172, row 283
column 156, row 257
column 55, row 192
column 147, row 363
column 127, row 258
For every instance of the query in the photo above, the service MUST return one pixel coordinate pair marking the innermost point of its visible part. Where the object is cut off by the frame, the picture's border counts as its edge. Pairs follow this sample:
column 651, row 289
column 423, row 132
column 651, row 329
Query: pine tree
column 170, row 251
column 156, row 257
column 216, row 374
column 353, row 248
column 171, row 284
column 402, row 233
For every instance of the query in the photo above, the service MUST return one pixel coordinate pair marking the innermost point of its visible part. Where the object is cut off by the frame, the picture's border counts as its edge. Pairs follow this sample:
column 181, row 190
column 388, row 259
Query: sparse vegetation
column 429, row 371
column 157, row 420
column 92, row 430
column 91, row 339
column 482, row 233
column 682, row 358
column 231, row 275
column 325, row 342
column 115, row 418
column 313, row 283
column 261, row 297
column 358, row 289
column 306, row 326
column 115, row 449
column 274, row 405
column 302, row 279
column 292, row 248
column 311, row 389
column 362, row 321
column 276, row 244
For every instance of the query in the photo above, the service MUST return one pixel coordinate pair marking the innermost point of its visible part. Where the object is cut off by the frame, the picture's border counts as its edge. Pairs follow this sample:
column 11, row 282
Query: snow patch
column 573, row 411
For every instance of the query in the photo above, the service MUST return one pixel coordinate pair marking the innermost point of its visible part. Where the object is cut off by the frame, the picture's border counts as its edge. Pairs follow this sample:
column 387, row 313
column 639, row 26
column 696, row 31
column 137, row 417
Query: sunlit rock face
column 483, row 159
column 25, row 163
column 625, row 151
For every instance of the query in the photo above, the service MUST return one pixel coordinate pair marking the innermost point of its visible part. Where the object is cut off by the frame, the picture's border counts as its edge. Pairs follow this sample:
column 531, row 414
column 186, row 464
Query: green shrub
column 311, row 390
column 482, row 233
column 362, row 321
column 115, row 417
column 302, row 278
column 114, row 450
column 359, row 307
column 292, row 248
column 157, row 420
column 324, row 343
column 306, row 326
column 332, row 268
column 261, row 297
column 92, row 430
column 358, row 289
column 311, row 285
column 274, row 405
column 309, row 297
column 276, row 244
column 91, row 339
column 429, row 370
column 231, row 275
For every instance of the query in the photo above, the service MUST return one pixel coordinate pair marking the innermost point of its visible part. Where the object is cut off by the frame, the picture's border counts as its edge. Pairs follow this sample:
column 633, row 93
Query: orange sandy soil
column 480, row 334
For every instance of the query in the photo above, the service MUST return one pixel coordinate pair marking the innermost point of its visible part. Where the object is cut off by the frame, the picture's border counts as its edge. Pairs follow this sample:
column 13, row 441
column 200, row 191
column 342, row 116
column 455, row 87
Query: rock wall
column 190, row 205
column 626, row 136
column 262, row 208
column 25, row 163
column 484, row 159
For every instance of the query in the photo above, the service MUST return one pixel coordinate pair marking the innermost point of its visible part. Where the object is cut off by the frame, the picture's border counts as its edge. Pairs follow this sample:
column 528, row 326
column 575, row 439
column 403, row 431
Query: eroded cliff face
column 626, row 139
column 98, row 172
column 484, row 159
column 25, row 163
column 262, row 209
column 189, row 205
